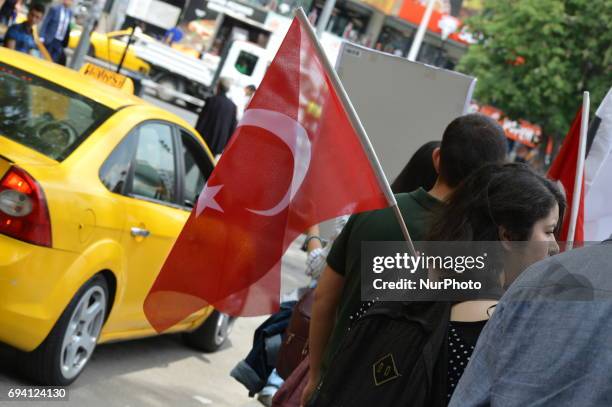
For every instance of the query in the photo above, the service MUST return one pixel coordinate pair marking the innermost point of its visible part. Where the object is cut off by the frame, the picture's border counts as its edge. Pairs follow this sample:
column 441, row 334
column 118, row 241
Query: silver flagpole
column 584, row 126
column 363, row 137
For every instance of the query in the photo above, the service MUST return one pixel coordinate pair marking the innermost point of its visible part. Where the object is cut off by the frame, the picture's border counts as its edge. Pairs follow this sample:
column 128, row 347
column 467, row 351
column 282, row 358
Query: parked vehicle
column 110, row 47
column 95, row 186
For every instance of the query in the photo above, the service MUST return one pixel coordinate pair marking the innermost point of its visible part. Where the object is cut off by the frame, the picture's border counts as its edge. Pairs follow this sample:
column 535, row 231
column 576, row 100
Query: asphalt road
column 161, row 371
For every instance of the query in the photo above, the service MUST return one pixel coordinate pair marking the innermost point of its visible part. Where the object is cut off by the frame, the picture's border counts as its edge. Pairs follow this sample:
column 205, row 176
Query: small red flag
column 563, row 169
column 294, row 161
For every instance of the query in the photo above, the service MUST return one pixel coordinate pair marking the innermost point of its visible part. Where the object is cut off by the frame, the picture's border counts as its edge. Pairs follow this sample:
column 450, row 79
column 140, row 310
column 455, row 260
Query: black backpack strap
column 433, row 348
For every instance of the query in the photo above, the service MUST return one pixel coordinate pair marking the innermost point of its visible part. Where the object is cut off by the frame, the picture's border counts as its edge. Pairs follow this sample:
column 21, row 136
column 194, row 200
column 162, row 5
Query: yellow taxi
column 95, row 186
column 110, row 47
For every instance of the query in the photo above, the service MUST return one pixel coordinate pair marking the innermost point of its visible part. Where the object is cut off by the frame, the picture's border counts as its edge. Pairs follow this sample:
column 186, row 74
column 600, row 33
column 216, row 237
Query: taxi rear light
column 23, row 208
column 16, row 182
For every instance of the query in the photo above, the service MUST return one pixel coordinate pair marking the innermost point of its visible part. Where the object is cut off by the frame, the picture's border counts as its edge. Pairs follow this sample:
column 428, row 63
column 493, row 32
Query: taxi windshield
column 44, row 116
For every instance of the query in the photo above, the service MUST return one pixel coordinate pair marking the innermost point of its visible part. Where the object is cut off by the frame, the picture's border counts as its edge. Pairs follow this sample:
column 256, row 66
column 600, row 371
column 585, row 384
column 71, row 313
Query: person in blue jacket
column 20, row 37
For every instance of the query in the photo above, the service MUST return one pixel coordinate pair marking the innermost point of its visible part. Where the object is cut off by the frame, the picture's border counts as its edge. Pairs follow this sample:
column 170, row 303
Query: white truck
column 176, row 75
column 232, row 54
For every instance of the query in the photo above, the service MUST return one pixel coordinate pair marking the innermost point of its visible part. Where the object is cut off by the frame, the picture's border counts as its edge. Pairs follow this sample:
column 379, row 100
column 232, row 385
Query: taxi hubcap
column 83, row 331
column 222, row 328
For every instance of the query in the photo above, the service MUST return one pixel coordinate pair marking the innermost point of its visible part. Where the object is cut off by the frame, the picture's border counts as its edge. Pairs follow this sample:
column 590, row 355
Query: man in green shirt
column 468, row 142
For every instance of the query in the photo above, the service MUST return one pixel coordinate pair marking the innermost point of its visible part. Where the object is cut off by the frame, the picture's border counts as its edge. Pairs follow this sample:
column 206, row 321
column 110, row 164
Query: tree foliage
column 534, row 58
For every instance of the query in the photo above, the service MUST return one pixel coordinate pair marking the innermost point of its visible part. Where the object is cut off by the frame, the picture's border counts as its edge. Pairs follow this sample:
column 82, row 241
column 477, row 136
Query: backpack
column 294, row 348
column 394, row 355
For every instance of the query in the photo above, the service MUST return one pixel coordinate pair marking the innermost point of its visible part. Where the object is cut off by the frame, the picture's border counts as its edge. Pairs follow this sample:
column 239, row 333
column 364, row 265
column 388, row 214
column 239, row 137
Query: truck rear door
column 245, row 63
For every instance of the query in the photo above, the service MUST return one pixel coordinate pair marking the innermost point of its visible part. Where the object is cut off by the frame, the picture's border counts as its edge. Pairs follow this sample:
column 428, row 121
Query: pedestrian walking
column 20, row 37
column 249, row 91
column 217, row 120
column 55, row 30
column 8, row 12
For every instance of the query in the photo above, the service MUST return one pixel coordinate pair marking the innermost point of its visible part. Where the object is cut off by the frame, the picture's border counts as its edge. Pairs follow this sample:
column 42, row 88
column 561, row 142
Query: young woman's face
column 542, row 242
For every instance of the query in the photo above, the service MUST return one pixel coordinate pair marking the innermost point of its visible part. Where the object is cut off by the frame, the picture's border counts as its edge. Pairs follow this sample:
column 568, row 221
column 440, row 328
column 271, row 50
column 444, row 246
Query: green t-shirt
column 417, row 208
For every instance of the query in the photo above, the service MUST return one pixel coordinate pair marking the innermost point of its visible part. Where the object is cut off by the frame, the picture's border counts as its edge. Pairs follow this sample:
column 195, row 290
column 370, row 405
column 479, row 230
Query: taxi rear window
column 44, row 116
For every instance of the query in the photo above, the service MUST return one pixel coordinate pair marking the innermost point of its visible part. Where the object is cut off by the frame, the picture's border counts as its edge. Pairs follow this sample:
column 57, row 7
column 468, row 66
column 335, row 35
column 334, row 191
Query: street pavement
column 162, row 371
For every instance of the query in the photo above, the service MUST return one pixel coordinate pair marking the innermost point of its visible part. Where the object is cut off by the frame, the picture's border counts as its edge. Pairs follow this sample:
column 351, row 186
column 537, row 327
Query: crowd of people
column 543, row 342
column 54, row 32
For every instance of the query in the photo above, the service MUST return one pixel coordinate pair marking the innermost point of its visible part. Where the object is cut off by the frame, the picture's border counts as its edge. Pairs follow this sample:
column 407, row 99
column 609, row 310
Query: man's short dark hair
column 38, row 7
column 468, row 143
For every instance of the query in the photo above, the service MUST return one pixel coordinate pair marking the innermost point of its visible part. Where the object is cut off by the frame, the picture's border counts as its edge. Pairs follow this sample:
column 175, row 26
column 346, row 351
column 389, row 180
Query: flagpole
column 584, row 126
column 418, row 38
column 359, row 129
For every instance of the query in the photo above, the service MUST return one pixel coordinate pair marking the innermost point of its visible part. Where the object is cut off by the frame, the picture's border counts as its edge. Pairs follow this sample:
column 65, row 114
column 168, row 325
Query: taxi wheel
column 168, row 86
column 60, row 359
column 212, row 334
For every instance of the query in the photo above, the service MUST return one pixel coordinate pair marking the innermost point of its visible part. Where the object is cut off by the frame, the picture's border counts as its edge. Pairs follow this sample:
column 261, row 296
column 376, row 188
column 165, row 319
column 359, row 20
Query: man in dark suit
column 217, row 120
column 55, row 30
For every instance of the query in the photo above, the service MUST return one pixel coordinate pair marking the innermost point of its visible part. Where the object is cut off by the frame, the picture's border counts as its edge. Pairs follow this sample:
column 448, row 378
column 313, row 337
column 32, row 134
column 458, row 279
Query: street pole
column 418, row 38
column 83, row 46
column 324, row 17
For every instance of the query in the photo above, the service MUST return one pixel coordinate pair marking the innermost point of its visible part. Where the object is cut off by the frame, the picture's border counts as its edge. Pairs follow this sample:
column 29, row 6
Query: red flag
column 294, row 161
column 563, row 169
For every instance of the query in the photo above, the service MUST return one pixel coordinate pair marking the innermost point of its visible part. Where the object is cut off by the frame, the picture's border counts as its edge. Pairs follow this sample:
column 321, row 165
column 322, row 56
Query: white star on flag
column 207, row 199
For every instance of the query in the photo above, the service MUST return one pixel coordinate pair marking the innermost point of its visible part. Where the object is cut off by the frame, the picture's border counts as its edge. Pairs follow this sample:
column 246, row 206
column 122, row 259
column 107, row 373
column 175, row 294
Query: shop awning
column 521, row 131
column 412, row 11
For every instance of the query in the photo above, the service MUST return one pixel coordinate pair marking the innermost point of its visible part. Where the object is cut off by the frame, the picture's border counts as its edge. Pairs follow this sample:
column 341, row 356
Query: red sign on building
column 520, row 130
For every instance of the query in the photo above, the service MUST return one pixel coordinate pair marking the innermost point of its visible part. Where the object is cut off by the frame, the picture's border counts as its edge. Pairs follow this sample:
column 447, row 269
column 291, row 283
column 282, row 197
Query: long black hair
column 419, row 172
column 509, row 195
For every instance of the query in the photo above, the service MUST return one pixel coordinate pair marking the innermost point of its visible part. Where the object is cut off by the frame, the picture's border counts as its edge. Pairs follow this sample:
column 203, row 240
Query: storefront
column 438, row 48
column 349, row 19
column 209, row 25
column 395, row 37
column 283, row 7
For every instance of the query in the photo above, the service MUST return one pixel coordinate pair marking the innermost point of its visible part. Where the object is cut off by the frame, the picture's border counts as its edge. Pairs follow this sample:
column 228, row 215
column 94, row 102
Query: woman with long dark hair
column 509, row 203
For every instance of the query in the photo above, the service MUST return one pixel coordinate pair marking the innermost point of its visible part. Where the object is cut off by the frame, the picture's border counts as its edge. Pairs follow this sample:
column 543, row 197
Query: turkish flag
column 563, row 169
column 294, row 161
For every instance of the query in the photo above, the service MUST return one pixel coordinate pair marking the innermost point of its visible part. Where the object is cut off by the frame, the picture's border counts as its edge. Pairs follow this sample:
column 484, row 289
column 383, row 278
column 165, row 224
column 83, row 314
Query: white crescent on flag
column 295, row 137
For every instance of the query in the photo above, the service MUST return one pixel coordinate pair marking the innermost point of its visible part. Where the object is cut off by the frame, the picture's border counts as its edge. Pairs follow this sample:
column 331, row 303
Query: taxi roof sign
column 108, row 77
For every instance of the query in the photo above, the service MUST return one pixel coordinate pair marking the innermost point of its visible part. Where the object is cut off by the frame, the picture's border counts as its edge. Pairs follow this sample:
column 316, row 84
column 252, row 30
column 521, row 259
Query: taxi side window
column 198, row 168
column 115, row 171
column 154, row 164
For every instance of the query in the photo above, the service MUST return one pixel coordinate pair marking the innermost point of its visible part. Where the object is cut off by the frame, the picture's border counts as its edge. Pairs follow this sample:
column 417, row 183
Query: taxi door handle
column 136, row 232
